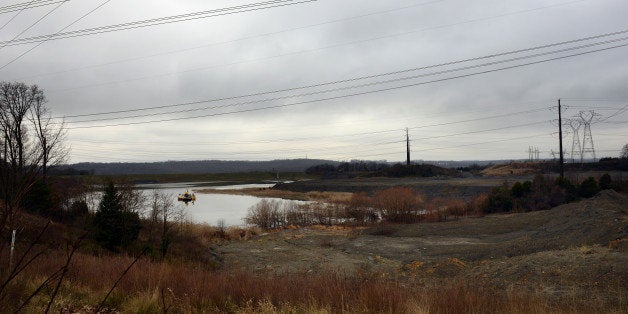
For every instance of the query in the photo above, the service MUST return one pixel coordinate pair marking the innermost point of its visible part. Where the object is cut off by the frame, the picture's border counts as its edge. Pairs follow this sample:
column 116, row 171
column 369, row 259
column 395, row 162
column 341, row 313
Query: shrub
column 477, row 205
column 540, row 197
column 360, row 209
column 571, row 192
column 606, row 182
column 439, row 208
column 399, row 204
column 454, row 207
column 265, row 214
column 521, row 189
column 499, row 200
column 588, row 188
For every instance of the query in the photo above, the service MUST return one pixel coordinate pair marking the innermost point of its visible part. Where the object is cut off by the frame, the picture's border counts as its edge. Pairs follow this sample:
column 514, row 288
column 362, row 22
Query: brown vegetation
column 283, row 194
column 151, row 287
column 399, row 205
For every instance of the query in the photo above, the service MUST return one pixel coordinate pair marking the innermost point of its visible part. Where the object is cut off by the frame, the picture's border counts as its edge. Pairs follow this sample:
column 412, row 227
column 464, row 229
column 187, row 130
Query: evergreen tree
column 114, row 226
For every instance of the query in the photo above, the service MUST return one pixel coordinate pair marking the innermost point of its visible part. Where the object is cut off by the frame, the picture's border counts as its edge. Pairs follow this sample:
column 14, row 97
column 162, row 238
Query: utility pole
column 407, row 148
column 560, row 140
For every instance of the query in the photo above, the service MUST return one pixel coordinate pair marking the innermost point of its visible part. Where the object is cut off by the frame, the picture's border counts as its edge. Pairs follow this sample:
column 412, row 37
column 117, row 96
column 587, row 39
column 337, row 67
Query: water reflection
column 209, row 208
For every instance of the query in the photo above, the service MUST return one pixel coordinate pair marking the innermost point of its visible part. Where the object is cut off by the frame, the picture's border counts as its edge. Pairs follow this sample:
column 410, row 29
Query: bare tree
column 162, row 207
column 17, row 175
column 132, row 199
column 162, row 213
column 50, row 136
column 24, row 147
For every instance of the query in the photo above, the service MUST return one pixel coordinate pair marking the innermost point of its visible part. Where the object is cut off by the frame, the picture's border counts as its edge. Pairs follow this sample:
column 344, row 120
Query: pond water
column 210, row 208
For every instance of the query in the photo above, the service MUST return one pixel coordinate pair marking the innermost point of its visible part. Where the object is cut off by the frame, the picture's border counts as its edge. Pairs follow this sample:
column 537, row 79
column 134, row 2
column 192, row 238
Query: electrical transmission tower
column 537, row 153
column 533, row 153
column 576, row 149
column 586, row 117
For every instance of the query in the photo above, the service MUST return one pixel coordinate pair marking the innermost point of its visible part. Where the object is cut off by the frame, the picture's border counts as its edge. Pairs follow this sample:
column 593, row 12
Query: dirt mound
column 558, row 272
column 597, row 220
column 513, row 168
column 574, row 251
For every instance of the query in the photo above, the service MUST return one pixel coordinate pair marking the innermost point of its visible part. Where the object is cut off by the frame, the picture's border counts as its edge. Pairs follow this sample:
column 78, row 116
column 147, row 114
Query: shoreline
column 311, row 196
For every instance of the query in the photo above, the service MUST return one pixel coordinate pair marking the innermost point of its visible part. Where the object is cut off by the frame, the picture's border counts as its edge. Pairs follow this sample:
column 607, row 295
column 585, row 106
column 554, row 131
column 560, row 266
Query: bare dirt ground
column 577, row 248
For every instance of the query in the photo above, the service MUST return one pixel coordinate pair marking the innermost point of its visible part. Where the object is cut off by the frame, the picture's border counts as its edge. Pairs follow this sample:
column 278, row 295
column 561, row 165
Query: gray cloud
column 230, row 56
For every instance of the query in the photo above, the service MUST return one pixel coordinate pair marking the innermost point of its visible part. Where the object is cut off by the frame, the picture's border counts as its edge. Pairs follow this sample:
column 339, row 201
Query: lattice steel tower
column 586, row 117
column 576, row 149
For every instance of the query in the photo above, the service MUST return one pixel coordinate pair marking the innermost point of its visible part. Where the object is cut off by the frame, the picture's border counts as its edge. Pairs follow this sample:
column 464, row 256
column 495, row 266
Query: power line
column 14, row 16
column 230, row 154
column 618, row 112
column 45, row 38
column 234, row 40
column 380, row 75
column 365, row 92
column 318, row 147
column 274, row 150
column 370, row 144
column 302, row 139
column 355, row 94
column 312, row 50
column 2, row 45
column 159, row 21
column 27, row 5
column 488, row 142
column 310, row 138
column 485, row 130
column 39, row 44
column 400, row 152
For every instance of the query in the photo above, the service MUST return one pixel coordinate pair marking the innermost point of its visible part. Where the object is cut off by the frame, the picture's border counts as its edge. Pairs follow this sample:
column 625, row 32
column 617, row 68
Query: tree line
column 372, row 168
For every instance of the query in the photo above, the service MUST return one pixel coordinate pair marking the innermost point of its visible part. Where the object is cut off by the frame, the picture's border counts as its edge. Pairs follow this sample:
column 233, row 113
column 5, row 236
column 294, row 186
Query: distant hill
column 198, row 166
column 232, row 166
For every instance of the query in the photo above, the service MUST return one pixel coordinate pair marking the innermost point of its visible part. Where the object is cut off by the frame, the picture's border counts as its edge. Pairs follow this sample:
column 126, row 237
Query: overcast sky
column 330, row 79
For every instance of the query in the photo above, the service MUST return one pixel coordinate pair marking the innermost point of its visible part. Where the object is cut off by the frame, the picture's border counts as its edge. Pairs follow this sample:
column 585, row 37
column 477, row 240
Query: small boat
column 186, row 197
